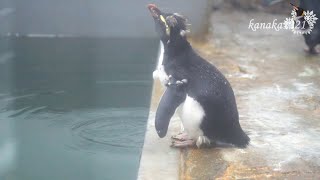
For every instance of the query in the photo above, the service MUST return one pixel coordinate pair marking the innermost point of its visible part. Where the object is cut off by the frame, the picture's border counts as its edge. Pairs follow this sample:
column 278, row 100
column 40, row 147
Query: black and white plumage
column 205, row 102
column 174, row 95
column 312, row 39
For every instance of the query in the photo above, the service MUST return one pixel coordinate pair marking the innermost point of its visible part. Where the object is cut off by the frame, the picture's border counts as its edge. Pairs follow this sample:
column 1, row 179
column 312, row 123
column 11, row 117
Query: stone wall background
column 271, row 6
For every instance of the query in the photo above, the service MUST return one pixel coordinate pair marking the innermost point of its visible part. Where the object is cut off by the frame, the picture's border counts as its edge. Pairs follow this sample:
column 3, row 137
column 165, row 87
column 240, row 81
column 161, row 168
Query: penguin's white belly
column 160, row 72
column 161, row 75
column 191, row 114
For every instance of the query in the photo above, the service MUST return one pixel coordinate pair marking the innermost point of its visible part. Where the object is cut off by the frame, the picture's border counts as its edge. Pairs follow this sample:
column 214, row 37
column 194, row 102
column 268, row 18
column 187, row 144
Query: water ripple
column 110, row 128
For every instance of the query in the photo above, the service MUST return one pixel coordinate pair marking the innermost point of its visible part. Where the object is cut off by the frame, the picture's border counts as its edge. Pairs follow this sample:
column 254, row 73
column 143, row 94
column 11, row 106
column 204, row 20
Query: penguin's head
column 298, row 10
column 169, row 26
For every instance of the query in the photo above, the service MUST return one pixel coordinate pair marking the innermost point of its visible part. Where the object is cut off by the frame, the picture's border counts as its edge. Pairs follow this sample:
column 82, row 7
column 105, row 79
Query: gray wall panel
column 110, row 18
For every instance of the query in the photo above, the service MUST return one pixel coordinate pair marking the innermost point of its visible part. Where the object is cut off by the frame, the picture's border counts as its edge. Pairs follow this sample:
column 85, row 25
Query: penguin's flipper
column 170, row 100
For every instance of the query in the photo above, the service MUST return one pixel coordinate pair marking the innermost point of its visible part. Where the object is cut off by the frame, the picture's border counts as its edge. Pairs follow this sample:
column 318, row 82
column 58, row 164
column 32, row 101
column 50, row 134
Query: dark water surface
column 73, row 108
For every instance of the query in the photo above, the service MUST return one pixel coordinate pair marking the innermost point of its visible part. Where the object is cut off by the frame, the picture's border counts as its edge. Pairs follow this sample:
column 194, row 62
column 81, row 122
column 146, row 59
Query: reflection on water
column 73, row 108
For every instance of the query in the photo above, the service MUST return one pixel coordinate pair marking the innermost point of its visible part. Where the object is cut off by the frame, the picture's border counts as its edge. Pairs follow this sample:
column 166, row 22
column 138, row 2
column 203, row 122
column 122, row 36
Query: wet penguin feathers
column 173, row 96
column 312, row 39
column 212, row 90
column 206, row 103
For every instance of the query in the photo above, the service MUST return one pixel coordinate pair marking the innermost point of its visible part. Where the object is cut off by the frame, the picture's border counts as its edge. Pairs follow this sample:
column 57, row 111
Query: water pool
column 73, row 108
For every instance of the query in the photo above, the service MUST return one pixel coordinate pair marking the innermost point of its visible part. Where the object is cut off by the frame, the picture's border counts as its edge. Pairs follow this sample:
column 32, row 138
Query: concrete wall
column 106, row 18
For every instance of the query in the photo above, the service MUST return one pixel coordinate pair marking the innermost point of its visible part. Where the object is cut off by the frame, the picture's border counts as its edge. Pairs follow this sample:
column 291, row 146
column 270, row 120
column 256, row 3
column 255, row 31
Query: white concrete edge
column 158, row 159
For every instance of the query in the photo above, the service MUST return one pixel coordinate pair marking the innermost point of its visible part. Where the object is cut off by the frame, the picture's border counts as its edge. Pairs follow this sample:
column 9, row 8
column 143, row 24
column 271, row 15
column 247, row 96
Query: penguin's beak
column 294, row 7
column 155, row 12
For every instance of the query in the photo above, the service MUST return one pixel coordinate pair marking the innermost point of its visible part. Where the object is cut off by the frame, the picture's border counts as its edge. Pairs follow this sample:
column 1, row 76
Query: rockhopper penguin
column 201, row 95
column 312, row 39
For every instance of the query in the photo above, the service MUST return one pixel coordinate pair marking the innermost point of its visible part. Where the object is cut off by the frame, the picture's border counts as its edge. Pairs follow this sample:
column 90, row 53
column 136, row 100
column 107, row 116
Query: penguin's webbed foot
column 203, row 141
column 174, row 81
column 182, row 140
column 183, row 144
column 183, row 136
column 312, row 51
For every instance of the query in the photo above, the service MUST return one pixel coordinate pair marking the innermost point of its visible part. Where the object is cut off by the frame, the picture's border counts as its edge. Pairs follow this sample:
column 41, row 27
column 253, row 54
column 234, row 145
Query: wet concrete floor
column 277, row 86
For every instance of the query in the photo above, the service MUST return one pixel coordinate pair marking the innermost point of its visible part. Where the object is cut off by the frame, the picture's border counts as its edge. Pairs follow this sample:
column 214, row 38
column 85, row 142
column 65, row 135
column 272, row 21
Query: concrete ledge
column 277, row 90
column 158, row 159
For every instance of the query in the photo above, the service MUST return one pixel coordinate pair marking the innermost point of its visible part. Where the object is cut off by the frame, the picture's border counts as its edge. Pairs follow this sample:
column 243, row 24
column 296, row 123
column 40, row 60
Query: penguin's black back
column 312, row 39
column 210, row 88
